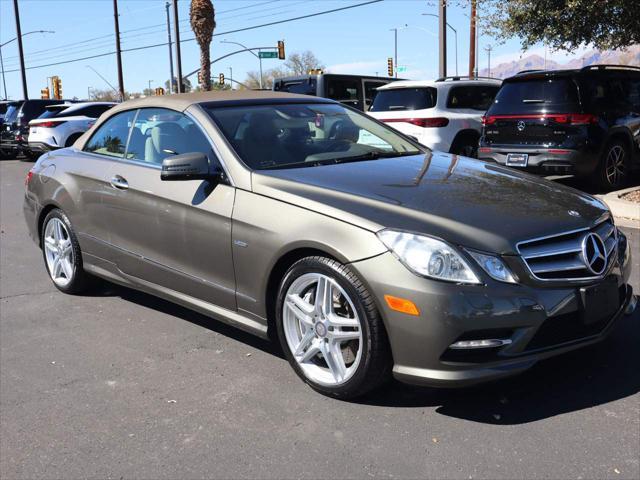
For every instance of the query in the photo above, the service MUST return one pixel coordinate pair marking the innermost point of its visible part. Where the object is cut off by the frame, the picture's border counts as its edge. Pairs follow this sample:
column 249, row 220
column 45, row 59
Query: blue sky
column 358, row 40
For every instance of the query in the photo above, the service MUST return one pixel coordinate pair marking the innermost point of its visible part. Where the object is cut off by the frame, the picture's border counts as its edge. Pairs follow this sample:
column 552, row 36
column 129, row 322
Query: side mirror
column 187, row 166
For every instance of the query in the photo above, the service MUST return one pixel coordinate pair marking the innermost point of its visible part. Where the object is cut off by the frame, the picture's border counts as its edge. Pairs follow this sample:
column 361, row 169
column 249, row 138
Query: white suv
column 61, row 125
column 444, row 114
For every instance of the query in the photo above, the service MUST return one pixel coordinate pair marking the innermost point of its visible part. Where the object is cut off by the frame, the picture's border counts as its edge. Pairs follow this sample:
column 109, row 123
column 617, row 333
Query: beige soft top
column 182, row 101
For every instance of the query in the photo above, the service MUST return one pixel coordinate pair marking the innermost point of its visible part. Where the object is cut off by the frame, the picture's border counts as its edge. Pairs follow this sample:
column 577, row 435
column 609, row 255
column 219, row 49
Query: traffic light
column 159, row 91
column 44, row 93
column 221, row 79
column 390, row 66
column 57, row 87
column 281, row 49
column 199, row 77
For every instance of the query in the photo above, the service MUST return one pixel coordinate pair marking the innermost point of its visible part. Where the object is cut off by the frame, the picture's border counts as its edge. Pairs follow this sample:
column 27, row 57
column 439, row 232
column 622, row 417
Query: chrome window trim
column 123, row 160
column 604, row 217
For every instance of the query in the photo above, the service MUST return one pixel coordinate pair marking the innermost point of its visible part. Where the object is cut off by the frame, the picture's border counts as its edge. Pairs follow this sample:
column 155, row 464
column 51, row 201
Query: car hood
column 464, row 201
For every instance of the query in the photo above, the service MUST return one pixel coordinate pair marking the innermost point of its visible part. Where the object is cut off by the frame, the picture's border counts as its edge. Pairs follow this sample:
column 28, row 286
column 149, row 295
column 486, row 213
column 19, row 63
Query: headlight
column 428, row 256
column 494, row 267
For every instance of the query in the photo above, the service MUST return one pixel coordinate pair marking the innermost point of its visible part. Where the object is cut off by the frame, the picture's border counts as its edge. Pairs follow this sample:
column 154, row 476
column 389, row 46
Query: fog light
column 488, row 343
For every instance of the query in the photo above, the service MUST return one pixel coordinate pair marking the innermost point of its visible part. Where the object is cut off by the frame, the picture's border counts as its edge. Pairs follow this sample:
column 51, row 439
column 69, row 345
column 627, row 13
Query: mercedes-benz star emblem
column 573, row 213
column 520, row 126
column 594, row 253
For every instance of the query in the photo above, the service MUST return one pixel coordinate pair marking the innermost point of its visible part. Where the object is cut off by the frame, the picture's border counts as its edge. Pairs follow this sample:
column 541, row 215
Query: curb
column 622, row 208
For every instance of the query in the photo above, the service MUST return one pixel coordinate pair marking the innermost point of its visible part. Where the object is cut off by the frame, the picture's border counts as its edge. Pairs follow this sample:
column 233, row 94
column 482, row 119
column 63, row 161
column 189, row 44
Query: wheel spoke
column 333, row 356
column 338, row 321
column 344, row 335
column 67, row 269
column 58, row 233
column 57, row 267
column 50, row 244
column 311, row 352
column 302, row 310
column 324, row 297
column 304, row 342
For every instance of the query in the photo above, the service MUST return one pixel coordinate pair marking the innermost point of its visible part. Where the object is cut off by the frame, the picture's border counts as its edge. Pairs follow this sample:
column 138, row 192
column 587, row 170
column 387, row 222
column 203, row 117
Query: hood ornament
column 594, row 253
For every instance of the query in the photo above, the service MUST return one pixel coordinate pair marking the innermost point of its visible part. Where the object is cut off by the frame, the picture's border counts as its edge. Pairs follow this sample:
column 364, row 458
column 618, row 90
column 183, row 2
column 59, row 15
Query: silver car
column 365, row 254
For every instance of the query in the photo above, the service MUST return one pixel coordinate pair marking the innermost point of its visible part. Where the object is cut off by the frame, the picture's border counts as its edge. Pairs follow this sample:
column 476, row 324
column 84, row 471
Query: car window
column 159, row 133
column 370, row 91
column 472, row 97
column 633, row 93
column 344, row 90
column 53, row 112
column 91, row 111
column 111, row 137
column 304, row 86
column 536, row 95
column 399, row 99
column 305, row 135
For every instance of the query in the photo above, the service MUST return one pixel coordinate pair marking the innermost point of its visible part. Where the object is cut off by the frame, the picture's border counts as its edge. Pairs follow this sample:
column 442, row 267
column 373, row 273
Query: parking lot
column 119, row 384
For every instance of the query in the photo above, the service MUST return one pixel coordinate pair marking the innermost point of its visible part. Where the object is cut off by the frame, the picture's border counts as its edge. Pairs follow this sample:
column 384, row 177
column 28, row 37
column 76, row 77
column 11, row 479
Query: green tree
column 564, row 24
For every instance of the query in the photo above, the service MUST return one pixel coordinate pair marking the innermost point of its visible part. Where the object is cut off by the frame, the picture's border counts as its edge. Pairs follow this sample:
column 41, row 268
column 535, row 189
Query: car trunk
column 535, row 111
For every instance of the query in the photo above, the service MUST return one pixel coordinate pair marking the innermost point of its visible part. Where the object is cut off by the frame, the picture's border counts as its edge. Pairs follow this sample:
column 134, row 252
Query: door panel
column 174, row 234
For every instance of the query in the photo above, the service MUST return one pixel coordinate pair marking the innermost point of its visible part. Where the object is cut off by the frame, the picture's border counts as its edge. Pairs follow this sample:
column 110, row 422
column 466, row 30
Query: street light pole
column 231, row 77
column 252, row 53
column 149, row 86
column 176, row 27
column 442, row 34
column 488, row 48
column 455, row 33
column 25, row 94
column 7, row 43
column 118, row 50
column 167, row 5
column 395, row 51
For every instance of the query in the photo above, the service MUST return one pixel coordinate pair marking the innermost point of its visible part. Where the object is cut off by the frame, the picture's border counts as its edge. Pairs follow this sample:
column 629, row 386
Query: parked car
column 584, row 122
column 274, row 213
column 61, row 125
column 15, row 129
column 357, row 91
column 445, row 114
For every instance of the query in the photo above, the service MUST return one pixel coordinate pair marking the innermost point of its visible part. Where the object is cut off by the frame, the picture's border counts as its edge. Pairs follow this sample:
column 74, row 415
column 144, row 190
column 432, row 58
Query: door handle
column 119, row 182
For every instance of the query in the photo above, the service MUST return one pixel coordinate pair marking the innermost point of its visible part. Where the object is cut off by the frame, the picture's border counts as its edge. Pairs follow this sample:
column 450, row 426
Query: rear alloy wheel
column 612, row 171
column 62, row 255
column 330, row 329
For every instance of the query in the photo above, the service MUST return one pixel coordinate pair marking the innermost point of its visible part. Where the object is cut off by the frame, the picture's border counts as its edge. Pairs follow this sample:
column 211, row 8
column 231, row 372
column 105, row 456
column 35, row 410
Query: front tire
column 62, row 255
column 330, row 329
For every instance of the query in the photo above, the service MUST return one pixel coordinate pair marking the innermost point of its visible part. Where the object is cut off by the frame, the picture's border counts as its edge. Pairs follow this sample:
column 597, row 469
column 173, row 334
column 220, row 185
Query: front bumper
column 540, row 321
column 543, row 160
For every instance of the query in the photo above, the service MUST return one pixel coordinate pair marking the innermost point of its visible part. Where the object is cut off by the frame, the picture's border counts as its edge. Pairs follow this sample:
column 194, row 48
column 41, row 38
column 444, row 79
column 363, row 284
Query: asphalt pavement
column 119, row 384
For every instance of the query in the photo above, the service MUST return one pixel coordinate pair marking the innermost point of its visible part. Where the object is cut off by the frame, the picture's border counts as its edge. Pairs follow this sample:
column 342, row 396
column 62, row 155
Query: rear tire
column 62, row 255
column 8, row 154
column 465, row 146
column 338, row 346
column 612, row 172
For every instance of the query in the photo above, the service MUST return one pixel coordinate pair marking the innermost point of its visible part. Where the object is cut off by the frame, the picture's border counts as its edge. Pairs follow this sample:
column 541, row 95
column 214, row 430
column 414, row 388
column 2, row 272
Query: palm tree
column 203, row 22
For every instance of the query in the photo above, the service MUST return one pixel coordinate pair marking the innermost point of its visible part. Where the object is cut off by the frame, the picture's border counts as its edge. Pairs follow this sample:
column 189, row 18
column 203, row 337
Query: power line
column 244, row 29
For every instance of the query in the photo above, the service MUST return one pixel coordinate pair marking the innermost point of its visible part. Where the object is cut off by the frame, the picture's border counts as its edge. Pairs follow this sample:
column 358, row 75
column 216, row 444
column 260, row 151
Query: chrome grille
column 561, row 257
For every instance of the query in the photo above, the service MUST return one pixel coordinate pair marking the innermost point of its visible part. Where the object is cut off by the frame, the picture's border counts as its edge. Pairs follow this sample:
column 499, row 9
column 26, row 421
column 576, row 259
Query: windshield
column 539, row 95
column 304, row 135
column 398, row 99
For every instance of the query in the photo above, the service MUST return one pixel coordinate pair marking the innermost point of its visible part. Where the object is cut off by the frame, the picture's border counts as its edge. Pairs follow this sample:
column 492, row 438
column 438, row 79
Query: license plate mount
column 517, row 159
column 600, row 301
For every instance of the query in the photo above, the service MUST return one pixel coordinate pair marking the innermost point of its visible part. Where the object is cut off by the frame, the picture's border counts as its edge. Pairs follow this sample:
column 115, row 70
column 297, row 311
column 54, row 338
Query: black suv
column 15, row 126
column 584, row 122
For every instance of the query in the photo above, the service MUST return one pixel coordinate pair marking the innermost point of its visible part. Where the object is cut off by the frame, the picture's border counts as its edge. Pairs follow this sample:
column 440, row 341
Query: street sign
column 268, row 54
column 402, row 69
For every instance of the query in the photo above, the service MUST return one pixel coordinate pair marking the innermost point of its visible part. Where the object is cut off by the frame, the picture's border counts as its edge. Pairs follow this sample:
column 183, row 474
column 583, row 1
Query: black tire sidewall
column 336, row 271
column 78, row 282
column 602, row 170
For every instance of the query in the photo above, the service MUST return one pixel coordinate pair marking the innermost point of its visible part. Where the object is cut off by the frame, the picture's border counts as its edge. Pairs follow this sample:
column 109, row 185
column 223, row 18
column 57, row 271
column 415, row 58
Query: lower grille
column 563, row 256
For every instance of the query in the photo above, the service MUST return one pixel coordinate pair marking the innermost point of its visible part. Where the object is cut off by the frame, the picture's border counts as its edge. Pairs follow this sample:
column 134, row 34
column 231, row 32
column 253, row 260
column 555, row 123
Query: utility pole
column 176, row 27
column 442, row 31
column 488, row 48
column 167, row 5
column 231, row 77
column 149, row 88
column 4, row 83
column 395, row 52
column 472, row 38
column 25, row 94
column 118, row 50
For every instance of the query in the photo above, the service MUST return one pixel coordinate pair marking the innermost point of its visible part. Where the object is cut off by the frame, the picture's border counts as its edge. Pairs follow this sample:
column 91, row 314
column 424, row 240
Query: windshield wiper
column 337, row 160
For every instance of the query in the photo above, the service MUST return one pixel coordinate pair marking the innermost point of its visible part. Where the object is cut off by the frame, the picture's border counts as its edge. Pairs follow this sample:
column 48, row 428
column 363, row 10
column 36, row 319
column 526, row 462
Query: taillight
column 49, row 124
column 29, row 177
column 563, row 118
column 432, row 122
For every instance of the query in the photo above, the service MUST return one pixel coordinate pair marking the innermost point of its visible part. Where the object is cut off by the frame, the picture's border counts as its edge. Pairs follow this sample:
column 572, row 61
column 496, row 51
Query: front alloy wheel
column 330, row 329
column 322, row 329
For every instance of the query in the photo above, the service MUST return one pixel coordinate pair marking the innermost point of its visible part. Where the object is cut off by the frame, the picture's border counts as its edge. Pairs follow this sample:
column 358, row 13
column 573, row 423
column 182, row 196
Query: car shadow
column 108, row 289
column 582, row 379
